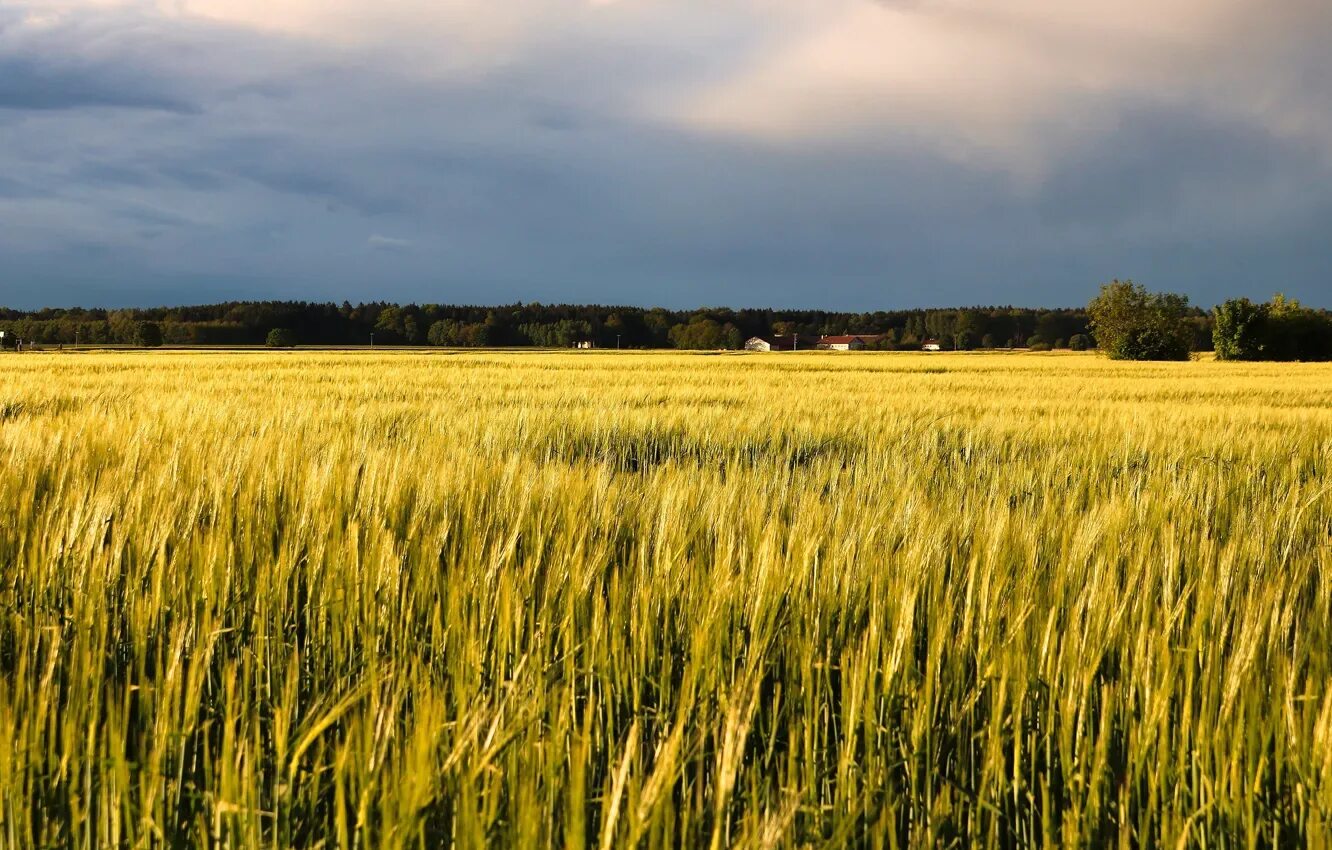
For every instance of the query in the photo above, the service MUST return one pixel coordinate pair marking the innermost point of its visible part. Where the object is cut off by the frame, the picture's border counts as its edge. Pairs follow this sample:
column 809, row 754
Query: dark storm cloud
column 15, row 189
column 177, row 159
column 1160, row 163
column 286, row 167
column 36, row 83
column 94, row 63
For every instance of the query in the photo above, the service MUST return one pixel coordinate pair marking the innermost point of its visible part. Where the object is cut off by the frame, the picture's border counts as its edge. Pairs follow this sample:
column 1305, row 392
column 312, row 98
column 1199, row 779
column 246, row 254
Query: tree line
column 1131, row 323
column 542, row 325
column 1125, row 321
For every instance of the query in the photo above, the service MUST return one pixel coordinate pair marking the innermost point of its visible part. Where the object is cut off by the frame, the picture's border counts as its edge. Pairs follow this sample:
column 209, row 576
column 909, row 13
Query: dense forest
column 551, row 325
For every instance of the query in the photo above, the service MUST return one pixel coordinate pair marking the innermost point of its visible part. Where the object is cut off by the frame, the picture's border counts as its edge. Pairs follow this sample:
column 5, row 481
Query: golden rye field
column 601, row 600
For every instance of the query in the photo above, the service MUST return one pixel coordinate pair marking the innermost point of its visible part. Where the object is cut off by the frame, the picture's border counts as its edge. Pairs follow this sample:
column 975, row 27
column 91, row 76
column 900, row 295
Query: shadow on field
column 641, row 450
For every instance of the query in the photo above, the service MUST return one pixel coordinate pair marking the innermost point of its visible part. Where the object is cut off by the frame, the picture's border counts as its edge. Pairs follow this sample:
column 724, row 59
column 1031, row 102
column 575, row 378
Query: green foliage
column 1240, row 330
column 703, row 333
column 1281, row 329
column 1296, row 332
column 397, row 324
column 561, row 334
column 148, row 335
column 248, row 323
column 1055, row 326
column 1131, row 323
column 444, row 332
column 281, row 338
column 1079, row 342
column 453, row 333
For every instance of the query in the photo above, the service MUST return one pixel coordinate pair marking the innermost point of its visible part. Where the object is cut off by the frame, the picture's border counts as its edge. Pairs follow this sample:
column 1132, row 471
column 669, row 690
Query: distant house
column 789, row 342
column 848, row 342
column 931, row 345
column 584, row 344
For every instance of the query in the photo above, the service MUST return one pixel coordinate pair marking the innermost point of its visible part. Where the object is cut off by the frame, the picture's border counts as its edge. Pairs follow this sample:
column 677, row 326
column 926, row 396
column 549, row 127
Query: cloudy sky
column 846, row 154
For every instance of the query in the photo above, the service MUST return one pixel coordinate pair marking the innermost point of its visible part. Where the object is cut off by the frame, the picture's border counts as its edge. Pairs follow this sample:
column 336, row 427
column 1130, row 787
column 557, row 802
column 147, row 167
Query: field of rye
column 603, row 600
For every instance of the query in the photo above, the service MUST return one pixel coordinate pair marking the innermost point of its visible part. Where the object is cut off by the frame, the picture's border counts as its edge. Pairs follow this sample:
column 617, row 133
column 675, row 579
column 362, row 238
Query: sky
column 837, row 154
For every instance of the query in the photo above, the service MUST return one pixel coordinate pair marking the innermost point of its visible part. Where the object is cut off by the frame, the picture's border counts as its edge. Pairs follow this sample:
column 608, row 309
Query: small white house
column 773, row 343
column 584, row 344
column 931, row 345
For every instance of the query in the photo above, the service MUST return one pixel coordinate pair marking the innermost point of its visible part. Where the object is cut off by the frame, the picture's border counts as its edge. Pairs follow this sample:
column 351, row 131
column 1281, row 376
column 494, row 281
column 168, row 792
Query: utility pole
column 372, row 339
column 617, row 342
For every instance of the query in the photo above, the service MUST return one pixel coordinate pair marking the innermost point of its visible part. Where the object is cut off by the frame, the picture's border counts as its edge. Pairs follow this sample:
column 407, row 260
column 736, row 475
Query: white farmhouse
column 772, row 343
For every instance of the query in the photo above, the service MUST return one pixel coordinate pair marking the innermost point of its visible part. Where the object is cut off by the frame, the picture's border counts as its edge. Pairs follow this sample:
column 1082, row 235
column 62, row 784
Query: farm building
column 931, row 345
column 789, row 342
column 848, row 342
column 584, row 344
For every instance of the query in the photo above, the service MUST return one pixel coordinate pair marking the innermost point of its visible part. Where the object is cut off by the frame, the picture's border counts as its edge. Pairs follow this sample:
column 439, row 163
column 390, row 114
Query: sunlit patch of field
column 660, row 600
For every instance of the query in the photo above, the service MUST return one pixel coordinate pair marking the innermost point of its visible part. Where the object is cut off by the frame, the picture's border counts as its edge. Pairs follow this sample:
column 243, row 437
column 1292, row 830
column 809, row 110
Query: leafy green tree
column 969, row 325
column 941, row 325
column 122, row 326
column 1131, row 323
column 148, row 335
column 395, row 324
column 615, row 331
column 445, row 332
column 1240, row 330
column 281, row 338
column 1052, row 326
column 1296, row 332
column 476, row 334
column 411, row 330
column 1079, row 342
column 561, row 334
column 703, row 333
column 658, row 323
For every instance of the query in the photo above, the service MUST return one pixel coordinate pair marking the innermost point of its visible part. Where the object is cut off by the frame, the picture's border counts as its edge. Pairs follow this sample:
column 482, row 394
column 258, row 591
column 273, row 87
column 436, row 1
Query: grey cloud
column 97, row 60
column 114, row 173
column 320, row 181
column 552, row 185
column 191, row 177
column 155, row 217
column 15, row 189
column 1163, row 163
column 32, row 83
column 388, row 243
